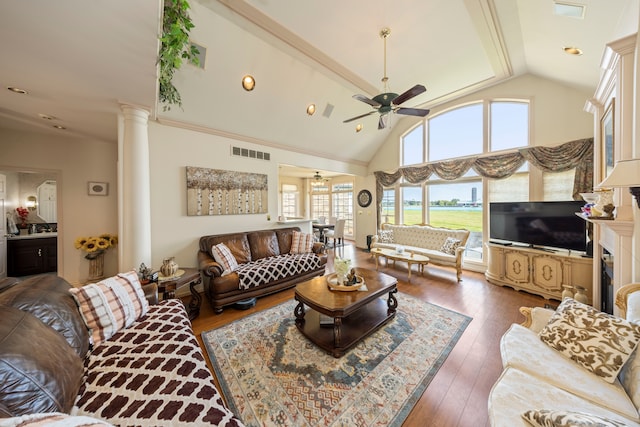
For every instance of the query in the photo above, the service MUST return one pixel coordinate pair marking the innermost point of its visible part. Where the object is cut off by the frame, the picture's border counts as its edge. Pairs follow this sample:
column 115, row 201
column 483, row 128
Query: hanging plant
column 175, row 49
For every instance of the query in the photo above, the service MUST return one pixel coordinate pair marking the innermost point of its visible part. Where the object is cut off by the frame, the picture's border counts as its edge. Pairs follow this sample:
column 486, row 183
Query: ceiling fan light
column 359, row 127
column 311, row 109
column 17, row 90
column 248, row 83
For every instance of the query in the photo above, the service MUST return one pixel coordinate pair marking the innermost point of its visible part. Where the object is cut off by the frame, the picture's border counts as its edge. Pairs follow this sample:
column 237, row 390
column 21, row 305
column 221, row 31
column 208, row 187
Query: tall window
column 290, row 198
column 342, row 204
column 320, row 201
column 389, row 206
column 472, row 129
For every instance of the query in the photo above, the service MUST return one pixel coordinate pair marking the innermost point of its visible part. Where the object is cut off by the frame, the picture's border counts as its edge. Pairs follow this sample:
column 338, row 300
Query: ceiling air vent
column 202, row 54
column 570, row 10
column 252, row 154
column 328, row 110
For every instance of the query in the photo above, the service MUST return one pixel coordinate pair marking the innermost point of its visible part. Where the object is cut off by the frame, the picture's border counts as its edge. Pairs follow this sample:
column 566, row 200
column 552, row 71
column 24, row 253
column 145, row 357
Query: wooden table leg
column 337, row 331
column 196, row 299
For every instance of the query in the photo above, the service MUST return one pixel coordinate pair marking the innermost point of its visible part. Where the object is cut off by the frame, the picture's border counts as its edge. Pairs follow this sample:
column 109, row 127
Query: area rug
column 271, row 375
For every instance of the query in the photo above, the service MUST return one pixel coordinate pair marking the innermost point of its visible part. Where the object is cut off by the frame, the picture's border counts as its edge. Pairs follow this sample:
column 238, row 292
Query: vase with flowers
column 23, row 214
column 95, row 248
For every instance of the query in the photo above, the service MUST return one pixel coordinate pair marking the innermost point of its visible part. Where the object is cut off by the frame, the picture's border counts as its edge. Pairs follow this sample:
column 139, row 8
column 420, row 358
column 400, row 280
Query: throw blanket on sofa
column 153, row 374
column 274, row 268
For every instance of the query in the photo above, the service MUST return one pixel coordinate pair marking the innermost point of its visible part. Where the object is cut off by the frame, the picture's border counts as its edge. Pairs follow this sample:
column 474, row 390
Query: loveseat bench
column 570, row 364
column 139, row 364
column 238, row 266
column 443, row 246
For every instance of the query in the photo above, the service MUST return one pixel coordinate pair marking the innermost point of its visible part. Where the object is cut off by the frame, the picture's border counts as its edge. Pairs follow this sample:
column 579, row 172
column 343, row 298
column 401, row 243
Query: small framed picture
column 98, row 188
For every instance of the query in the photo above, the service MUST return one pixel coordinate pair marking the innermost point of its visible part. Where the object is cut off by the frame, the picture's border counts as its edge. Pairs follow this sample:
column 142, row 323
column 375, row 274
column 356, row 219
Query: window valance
column 576, row 154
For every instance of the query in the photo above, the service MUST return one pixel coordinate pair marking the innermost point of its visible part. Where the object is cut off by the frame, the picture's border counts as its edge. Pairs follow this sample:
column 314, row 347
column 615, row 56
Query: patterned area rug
column 271, row 375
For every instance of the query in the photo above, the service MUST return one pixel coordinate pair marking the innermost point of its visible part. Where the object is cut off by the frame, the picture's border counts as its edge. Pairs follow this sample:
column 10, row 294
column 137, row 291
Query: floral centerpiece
column 342, row 266
column 96, row 246
column 23, row 213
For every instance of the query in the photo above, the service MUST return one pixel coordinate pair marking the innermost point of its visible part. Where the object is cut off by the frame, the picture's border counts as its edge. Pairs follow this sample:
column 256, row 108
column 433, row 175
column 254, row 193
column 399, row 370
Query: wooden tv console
column 538, row 271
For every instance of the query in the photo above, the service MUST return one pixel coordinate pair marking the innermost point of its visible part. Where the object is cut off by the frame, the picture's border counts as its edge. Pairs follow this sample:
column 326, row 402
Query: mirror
column 47, row 207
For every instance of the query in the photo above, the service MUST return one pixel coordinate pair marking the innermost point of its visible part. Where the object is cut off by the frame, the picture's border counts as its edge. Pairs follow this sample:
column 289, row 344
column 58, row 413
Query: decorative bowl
column 590, row 197
column 332, row 282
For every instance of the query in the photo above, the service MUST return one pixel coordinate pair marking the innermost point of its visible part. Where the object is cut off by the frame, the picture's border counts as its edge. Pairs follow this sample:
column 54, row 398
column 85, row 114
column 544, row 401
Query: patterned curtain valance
column 574, row 154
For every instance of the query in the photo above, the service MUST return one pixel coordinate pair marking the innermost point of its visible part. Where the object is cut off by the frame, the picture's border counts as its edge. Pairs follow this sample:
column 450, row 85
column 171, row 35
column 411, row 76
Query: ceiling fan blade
column 367, row 100
column 359, row 117
column 412, row 111
column 414, row 91
column 382, row 122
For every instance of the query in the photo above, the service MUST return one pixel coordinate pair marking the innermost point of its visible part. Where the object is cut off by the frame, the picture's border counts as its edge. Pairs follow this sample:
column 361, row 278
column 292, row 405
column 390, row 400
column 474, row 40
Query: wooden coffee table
column 355, row 314
column 408, row 257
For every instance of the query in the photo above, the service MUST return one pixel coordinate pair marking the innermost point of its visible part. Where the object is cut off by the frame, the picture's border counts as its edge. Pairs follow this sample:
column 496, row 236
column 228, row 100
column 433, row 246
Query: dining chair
column 333, row 219
column 337, row 234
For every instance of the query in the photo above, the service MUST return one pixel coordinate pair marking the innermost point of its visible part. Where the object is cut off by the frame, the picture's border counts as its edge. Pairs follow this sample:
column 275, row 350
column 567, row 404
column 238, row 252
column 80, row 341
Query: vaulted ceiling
column 79, row 60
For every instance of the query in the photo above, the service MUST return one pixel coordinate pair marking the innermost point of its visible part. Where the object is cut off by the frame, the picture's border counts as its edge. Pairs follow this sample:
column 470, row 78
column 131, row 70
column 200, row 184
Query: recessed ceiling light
column 17, row 90
column 59, row 127
column 46, row 117
column 570, row 10
column 248, row 83
column 359, row 127
column 311, row 108
column 572, row 50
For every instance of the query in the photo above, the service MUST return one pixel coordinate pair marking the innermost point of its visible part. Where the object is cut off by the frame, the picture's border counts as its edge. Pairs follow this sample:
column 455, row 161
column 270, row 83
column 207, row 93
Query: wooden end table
column 355, row 314
column 190, row 277
column 408, row 257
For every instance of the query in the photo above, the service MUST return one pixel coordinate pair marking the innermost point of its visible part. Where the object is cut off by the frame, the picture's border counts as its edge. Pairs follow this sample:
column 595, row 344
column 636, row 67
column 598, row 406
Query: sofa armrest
column 151, row 292
column 208, row 266
column 535, row 318
column 630, row 310
column 8, row 282
column 318, row 248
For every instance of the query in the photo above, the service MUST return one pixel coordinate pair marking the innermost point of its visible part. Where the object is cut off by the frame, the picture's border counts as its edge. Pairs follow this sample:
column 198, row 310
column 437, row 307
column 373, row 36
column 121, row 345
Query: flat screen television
column 539, row 224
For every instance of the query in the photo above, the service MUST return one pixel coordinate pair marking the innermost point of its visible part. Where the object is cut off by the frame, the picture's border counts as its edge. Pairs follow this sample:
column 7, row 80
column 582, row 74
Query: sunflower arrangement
column 96, row 246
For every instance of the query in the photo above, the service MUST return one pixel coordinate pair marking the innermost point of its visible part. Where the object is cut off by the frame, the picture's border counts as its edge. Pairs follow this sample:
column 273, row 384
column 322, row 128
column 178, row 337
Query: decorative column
column 134, row 190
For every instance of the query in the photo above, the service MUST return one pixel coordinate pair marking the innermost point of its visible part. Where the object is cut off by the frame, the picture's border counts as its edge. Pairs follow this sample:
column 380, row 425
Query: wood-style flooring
column 458, row 394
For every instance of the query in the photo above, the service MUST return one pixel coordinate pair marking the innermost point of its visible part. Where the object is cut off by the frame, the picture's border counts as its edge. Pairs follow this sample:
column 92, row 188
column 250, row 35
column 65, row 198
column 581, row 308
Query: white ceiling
column 80, row 59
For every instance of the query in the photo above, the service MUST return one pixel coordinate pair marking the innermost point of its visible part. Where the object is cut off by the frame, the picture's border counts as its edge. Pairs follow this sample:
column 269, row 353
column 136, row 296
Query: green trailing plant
column 176, row 48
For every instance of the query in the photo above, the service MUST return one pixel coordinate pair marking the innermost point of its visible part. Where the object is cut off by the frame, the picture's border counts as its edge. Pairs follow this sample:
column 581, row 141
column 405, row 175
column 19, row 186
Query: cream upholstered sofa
column 443, row 246
column 540, row 381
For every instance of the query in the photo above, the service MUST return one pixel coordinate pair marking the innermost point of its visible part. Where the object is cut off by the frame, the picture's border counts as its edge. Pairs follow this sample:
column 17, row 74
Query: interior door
column 3, row 227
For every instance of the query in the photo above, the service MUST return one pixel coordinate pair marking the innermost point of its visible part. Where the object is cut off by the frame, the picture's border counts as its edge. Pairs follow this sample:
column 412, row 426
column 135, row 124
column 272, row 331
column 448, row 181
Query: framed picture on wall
column 98, row 188
column 608, row 148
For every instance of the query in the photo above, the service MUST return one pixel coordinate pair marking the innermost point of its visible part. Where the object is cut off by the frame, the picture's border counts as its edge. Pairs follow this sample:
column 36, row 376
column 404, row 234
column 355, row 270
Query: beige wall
column 74, row 162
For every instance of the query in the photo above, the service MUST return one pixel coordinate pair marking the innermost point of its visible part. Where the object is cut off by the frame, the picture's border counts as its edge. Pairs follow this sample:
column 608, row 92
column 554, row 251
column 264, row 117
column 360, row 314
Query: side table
column 190, row 277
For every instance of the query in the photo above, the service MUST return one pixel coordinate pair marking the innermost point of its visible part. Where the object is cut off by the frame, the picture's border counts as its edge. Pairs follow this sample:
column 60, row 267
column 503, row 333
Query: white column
column 134, row 190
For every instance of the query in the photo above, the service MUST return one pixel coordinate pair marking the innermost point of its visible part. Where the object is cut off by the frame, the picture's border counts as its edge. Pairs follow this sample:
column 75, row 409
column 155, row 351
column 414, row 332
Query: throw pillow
column 225, row 258
column 385, row 236
column 301, row 243
column 597, row 341
column 111, row 305
column 550, row 418
column 450, row 245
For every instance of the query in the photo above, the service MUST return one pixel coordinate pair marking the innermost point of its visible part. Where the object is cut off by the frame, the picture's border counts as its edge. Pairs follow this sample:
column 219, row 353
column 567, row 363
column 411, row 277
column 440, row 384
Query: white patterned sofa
column 571, row 364
column 145, row 367
column 443, row 246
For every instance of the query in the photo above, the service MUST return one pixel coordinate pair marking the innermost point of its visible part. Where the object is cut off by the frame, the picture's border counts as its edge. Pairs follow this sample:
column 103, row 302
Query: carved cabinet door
column 516, row 266
column 548, row 273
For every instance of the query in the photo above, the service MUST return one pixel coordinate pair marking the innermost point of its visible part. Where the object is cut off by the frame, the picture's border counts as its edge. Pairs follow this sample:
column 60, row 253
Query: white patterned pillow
column 111, row 305
column 550, row 418
column 385, row 236
column 225, row 258
column 450, row 245
column 53, row 419
column 301, row 243
column 597, row 341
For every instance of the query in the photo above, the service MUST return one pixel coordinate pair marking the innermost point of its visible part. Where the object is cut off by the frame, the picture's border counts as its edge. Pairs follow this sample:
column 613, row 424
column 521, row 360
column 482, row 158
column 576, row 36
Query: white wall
column 74, row 162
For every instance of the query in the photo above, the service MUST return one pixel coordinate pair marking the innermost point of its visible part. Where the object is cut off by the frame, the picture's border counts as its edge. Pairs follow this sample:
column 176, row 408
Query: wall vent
column 252, row 154
column 202, row 55
column 328, row 110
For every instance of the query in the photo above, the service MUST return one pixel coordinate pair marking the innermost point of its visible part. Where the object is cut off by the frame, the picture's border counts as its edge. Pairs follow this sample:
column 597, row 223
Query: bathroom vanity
column 32, row 254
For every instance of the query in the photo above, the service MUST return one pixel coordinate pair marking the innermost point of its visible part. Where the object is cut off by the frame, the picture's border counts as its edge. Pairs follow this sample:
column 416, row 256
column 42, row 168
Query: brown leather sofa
column 46, row 364
column 250, row 248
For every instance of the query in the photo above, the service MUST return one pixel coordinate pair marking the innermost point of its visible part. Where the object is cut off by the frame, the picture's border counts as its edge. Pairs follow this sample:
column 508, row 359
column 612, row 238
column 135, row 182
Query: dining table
column 321, row 229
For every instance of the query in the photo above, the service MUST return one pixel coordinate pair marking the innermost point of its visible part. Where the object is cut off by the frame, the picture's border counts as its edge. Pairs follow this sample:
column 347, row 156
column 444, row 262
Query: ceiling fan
column 318, row 179
column 389, row 102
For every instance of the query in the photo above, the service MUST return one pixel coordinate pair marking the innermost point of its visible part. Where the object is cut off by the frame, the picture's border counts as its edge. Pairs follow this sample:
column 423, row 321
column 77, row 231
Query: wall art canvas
column 221, row 192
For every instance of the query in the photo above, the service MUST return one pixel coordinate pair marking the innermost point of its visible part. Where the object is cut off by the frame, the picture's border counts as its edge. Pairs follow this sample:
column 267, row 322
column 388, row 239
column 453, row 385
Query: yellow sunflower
column 80, row 242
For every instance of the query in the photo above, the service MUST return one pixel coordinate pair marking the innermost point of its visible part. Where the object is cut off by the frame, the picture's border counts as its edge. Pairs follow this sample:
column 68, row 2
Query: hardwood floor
column 458, row 394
